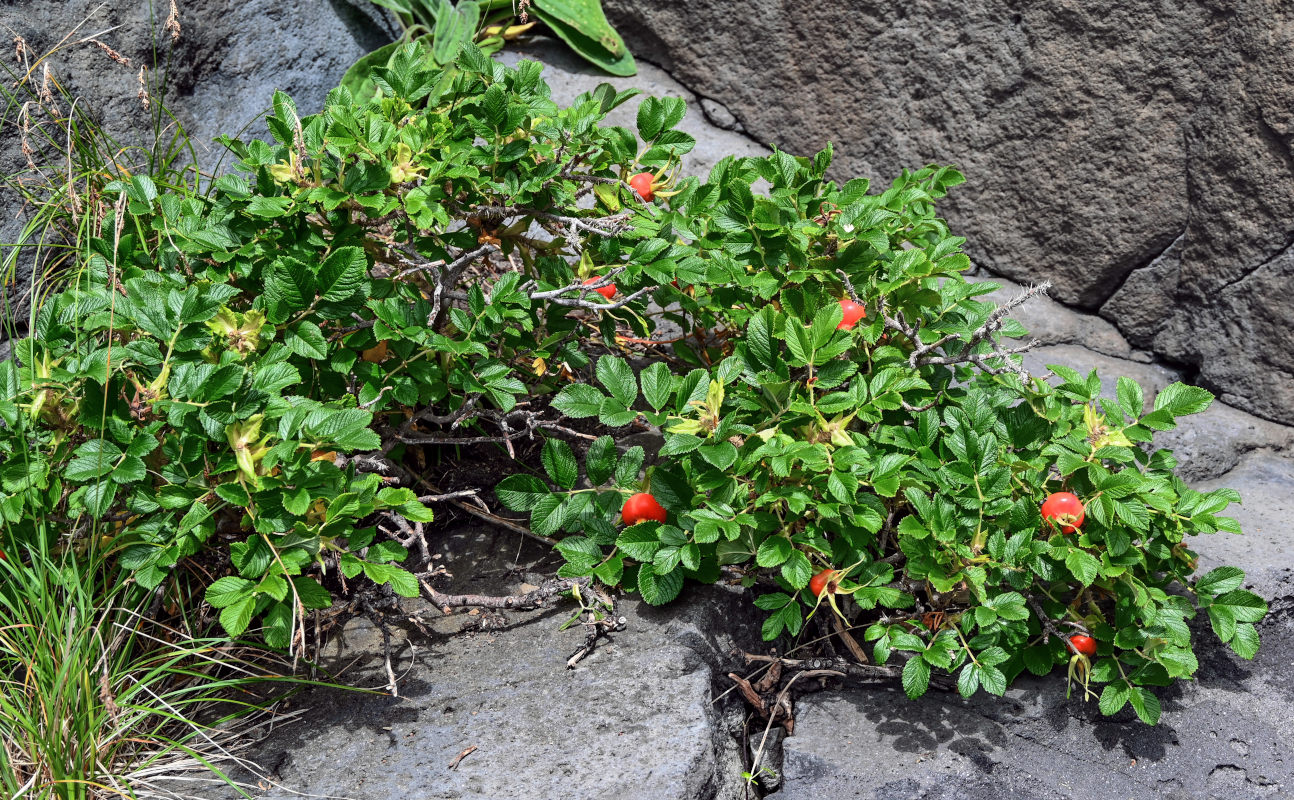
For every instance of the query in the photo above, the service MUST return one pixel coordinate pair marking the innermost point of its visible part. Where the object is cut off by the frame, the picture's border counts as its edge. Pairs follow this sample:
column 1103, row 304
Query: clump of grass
column 99, row 699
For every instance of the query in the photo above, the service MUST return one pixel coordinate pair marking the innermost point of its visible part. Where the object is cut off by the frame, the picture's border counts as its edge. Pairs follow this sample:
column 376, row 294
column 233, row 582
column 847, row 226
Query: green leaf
column 1113, row 698
column 916, row 677
column 797, row 570
column 659, row 589
column 1245, row 641
column 617, row 377
column 579, row 400
column 342, row 274
column 993, row 680
column 600, row 461
column 1131, row 397
column 773, row 551
column 235, row 618
column 559, row 462
column 639, row 542
column 656, row 385
column 402, row 581
column 1220, row 581
column 548, row 515
column 1180, row 399
column 721, row 455
column 521, row 492
column 1145, row 704
column 233, row 494
column 1083, row 565
column 584, row 27
column 226, row 591
column 307, row 340
column 311, row 593
column 95, row 459
column 1243, row 606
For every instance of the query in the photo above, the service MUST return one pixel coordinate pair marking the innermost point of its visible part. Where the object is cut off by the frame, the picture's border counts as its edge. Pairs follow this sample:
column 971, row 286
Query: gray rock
column 1094, row 136
column 219, row 77
column 1208, row 445
column 636, row 719
column 1152, row 377
column 1265, row 481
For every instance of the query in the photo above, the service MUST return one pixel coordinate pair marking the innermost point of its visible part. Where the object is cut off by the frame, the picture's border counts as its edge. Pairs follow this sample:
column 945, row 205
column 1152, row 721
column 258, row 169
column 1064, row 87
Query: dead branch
column 521, row 602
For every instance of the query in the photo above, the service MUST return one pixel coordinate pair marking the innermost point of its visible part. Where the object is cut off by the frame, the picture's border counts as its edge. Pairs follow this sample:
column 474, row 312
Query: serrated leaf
column 600, row 461
column 656, row 385
column 639, row 542
column 659, row 589
column 1245, row 641
column 1113, row 698
column 226, row 591
column 916, row 677
column 1220, row 581
column 307, row 340
column 1084, row 566
column 1145, row 704
column 521, row 492
column 236, row 617
column 773, row 551
column 548, row 515
column 559, row 462
column 968, row 680
column 1180, row 399
column 579, row 400
column 617, row 377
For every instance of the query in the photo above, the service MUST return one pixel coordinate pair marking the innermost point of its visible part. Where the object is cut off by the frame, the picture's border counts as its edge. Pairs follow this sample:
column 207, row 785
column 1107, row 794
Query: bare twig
column 464, row 754
column 922, row 352
column 528, row 600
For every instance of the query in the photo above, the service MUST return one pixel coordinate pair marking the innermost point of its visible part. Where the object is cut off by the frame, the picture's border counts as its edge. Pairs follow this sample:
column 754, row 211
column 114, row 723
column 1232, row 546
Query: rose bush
column 243, row 371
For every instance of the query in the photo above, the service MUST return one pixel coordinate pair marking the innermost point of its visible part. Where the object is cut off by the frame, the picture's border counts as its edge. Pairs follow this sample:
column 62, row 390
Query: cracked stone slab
column 634, row 720
column 1223, row 736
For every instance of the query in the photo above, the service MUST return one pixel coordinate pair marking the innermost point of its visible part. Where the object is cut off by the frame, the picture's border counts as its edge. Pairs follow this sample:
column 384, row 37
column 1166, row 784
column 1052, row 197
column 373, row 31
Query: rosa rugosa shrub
column 245, row 370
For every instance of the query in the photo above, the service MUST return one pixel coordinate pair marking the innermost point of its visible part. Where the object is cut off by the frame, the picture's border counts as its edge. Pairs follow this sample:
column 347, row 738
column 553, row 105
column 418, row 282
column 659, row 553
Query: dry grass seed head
column 113, row 54
column 173, row 22
column 143, row 87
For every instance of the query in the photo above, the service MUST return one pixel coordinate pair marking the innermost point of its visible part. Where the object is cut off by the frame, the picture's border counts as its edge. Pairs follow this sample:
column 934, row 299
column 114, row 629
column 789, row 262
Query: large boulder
column 1135, row 153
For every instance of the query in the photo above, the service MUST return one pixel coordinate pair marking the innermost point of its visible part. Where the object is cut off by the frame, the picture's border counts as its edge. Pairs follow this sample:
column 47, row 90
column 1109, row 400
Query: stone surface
column 1135, row 152
column 633, row 720
column 1265, row 481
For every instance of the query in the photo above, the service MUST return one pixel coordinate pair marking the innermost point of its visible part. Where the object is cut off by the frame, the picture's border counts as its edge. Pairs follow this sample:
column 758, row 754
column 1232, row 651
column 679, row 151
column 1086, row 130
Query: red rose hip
column 642, row 184
column 608, row 291
column 1065, row 510
column 822, row 582
column 1083, row 644
column 851, row 312
column 642, row 507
